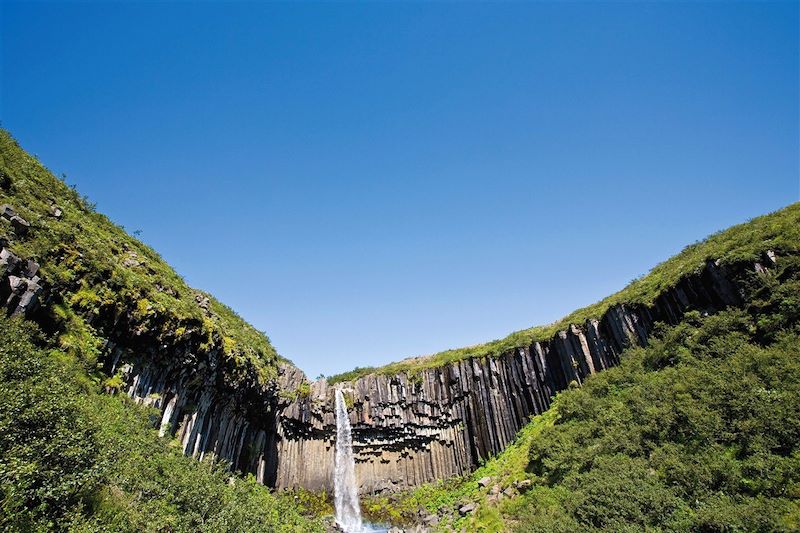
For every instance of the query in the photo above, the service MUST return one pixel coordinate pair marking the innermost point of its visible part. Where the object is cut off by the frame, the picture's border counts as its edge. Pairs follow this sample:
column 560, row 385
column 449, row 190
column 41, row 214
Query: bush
column 74, row 459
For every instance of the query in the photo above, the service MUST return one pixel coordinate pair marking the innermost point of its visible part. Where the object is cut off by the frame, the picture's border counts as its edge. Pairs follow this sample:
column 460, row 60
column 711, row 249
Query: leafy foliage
column 74, row 459
column 48, row 442
column 350, row 375
column 102, row 273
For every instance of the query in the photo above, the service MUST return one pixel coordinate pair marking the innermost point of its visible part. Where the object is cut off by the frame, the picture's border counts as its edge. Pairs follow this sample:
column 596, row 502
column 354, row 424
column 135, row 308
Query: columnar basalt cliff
column 442, row 421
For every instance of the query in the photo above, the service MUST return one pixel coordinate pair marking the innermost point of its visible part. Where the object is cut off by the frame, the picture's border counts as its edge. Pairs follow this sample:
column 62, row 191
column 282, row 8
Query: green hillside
column 699, row 431
column 779, row 231
column 100, row 272
column 75, row 459
column 72, row 457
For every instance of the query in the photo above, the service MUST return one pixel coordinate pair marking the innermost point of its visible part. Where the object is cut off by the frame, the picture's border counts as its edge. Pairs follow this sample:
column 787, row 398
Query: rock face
column 20, row 225
column 21, row 289
column 443, row 421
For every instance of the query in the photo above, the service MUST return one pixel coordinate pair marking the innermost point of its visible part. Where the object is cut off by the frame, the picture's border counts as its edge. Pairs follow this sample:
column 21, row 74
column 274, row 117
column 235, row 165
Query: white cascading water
column 345, row 492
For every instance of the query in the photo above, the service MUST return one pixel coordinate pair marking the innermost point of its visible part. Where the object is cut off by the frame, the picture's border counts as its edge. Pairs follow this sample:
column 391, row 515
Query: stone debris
column 524, row 485
column 202, row 300
column 464, row 510
column 20, row 225
column 131, row 259
column 7, row 212
column 430, row 520
column 21, row 288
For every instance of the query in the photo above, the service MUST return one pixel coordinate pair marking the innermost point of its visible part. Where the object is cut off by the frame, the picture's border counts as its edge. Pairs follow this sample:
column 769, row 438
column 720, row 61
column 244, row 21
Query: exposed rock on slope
column 21, row 288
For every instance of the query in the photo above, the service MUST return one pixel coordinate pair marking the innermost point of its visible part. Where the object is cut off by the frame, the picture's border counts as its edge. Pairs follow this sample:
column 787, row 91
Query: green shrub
column 72, row 458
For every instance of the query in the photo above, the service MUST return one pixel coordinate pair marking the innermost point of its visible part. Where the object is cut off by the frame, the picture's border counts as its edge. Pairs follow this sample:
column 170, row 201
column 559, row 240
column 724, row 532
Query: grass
column 778, row 231
column 98, row 270
column 75, row 459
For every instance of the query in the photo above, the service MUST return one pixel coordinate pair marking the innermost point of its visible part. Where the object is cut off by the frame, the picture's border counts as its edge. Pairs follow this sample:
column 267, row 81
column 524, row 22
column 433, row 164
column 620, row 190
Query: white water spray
column 348, row 511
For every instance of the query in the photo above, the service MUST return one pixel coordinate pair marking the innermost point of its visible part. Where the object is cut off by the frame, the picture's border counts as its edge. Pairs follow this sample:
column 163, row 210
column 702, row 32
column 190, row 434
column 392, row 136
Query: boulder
column 771, row 258
column 21, row 226
column 464, row 510
column 7, row 212
column 523, row 485
column 31, row 268
column 431, row 519
column 484, row 481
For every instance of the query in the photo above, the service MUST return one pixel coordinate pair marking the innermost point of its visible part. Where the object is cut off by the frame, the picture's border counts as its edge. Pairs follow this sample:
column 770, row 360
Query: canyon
column 219, row 390
column 407, row 428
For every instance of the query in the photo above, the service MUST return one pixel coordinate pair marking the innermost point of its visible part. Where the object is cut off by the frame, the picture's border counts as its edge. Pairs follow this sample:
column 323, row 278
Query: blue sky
column 367, row 182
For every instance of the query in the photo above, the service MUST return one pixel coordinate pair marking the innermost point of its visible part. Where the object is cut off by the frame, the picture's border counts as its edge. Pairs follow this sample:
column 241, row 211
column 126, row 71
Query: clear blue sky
column 367, row 182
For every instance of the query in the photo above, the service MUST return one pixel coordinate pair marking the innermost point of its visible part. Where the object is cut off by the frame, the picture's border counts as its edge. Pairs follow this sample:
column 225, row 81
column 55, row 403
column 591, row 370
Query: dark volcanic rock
column 7, row 212
column 21, row 289
column 467, row 509
column 444, row 421
column 20, row 225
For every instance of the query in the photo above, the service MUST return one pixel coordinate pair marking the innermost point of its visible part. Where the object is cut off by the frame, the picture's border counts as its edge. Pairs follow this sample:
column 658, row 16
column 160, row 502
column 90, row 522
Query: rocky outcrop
column 21, row 288
column 20, row 225
column 210, row 419
column 410, row 429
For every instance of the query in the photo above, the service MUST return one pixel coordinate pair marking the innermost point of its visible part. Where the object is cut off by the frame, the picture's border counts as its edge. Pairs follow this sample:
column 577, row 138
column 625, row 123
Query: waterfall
column 348, row 511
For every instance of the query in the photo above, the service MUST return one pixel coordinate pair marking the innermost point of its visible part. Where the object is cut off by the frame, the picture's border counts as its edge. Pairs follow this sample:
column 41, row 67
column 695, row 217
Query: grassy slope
column 699, row 431
column 98, row 267
column 779, row 231
column 72, row 458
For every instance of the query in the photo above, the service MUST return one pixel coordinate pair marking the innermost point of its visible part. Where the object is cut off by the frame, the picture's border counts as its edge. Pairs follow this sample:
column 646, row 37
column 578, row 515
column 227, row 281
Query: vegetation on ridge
column 73, row 458
column 100, row 272
column 778, row 231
